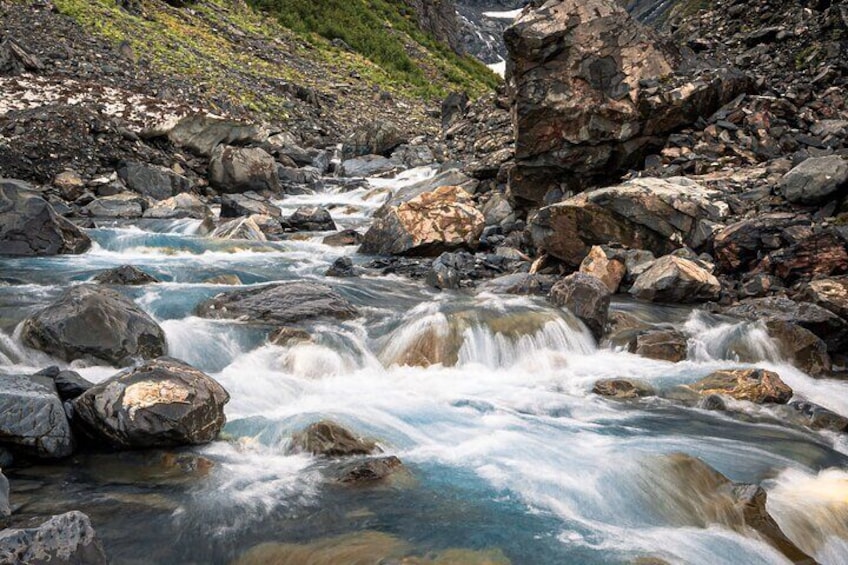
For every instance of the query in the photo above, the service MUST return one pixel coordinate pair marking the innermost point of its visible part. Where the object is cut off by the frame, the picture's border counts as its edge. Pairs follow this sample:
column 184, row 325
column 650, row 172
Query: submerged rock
column 32, row 419
column 126, row 275
column 675, row 280
column 287, row 336
column 623, row 389
column 66, row 539
column 279, row 304
column 162, row 403
column 30, row 227
column 663, row 345
column 586, row 297
column 329, row 439
column 754, row 385
column 90, row 321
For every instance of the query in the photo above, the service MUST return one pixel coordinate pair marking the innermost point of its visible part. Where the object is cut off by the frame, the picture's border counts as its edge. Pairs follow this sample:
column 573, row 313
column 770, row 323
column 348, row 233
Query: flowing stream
column 485, row 398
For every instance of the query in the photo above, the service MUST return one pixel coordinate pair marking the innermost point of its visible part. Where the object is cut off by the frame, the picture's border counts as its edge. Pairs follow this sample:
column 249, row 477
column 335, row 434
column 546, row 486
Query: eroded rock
column 66, row 539
column 32, row 419
column 754, row 385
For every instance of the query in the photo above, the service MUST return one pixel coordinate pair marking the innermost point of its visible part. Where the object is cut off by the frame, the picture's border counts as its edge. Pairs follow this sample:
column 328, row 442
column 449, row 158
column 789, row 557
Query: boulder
column 341, row 267
column 201, row 134
column 152, row 181
column 343, row 238
column 662, row 345
column 93, row 322
column 240, row 228
column 163, row 402
column 279, row 304
column 816, row 180
column 426, row 225
column 623, row 389
column 70, row 184
column 449, row 269
column 310, row 218
column 69, row 385
column 180, row 206
column 367, row 470
column 645, row 213
column 30, row 227
column 411, row 156
column 125, row 275
column 754, row 385
column 586, row 297
column 66, row 539
column 32, row 419
column 829, row 293
column 329, row 439
column 675, row 280
column 242, row 169
column 247, row 204
column 800, row 346
column 368, row 166
column 288, row 336
column 451, row 177
column 305, row 180
column 378, row 137
column 519, row 283
column 610, row 271
column 126, row 205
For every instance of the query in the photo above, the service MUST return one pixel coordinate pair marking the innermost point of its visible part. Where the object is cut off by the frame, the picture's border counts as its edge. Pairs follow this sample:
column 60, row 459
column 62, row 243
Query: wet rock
column 179, row 206
column 663, row 345
column 341, row 267
column 368, row 470
column 623, row 389
column 304, row 180
column 411, row 156
column 675, row 280
column 367, row 166
column 829, row 293
column 66, row 539
column 5, row 507
column 126, row 275
column 202, row 133
column 610, row 271
column 449, row 269
column 242, row 169
column 279, row 304
column 153, row 181
column 30, row 227
column 69, row 384
column 230, row 279
column 310, row 218
column 32, row 419
column 240, row 228
column 329, row 439
column 343, row 238
column 713, row 402
column 378, row 137
column 819, row 418
column 800, row 346
column 93, row 322
column 586, row 297
column 754, row 385
column 427, row 225
column 288, row 336
column 451, row 177
column 163, row 402
column 816, row 180
column 656, row 214
column 519, row 283
column 247, row 204
column 126, row 205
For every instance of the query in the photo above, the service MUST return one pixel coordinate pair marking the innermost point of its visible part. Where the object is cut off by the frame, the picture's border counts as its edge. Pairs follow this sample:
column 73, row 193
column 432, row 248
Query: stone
column 816, row 180
column 14, row 59
column 754, row 385
column 341, row 267
column 801, row 347
column 70, row 184
column 66, row 539
column 330, row 440
column 609, row 271
column 177, row 207
column 426, row 225
column 741, row 245
column 310, row 218
column 378, row 137
column 93, row 322
column 662, row 345
column 30, row 227
column 125, row 275
column 304, row 180
column 586, row 297
column 646, row 213
column 451, row 177
column 228, row 279
column 32, row 419
column 242, row 169
column 201, row 134
column 343, row 238
column 126, row 205
column 819, row 418
column 818, row 254
column 498, row 210
column 240, row 228
column 5, row 506
column 279, row 304
column 367, row 166
column 247, row 204
column 411, row 156
column 623, row 389
column 829, row 293
column 675, row 280
column 368, row 470
column 69, row 385
column 152, row 181
column 273, row 228
column 519, row 283
column 163, row 402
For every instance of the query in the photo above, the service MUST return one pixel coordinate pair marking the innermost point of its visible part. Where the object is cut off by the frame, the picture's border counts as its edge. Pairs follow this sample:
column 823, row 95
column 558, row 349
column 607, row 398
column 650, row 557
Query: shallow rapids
column 485, row 398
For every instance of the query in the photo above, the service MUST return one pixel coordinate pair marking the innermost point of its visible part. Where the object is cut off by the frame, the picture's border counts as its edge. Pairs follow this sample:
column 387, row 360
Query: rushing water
column 485, row 398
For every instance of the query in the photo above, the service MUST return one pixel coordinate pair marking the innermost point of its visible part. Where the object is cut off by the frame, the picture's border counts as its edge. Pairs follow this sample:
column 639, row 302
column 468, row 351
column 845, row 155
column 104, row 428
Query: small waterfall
column 746, row 342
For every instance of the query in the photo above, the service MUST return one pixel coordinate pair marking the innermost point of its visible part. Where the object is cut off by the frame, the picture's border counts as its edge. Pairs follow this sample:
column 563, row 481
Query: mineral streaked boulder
column 623, row 389
column 676, row 280
column 754, row 385
column 32, row 419
column 329, row 439
column 66, row 539
column 180, row 206
column 587, row 297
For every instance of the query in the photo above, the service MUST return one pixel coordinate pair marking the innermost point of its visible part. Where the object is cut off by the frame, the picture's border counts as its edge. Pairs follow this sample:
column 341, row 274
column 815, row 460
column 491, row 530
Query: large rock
column 799, row 346
column 623, row 389
column 816, row 180
column 126, row 205
column 30, row 227
column 741, row 245
column 242, row 169
column 451, row 177
column 310, row 218
column 754, row 385
column 329, row 439
column 240, row 228
column 379, row 137
column 180, row 206
column 368, row 166
column 663, row 345
column 676, row 280
column 202, row 133
column 126, row 275
column 587, row 297
column 429, row 224
column 32, row 419
column 829, row 293
column 646, row 213
column 153, row 181
column 593, row 93
column 610, row 270
column 247, row 204
column 66, row 539
column 93, row 322
column 163, row 402
column 279, row 304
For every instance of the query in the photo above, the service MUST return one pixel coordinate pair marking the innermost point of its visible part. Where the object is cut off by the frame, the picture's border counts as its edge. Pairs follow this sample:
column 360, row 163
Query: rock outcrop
column 67, row 539
column 32, row 419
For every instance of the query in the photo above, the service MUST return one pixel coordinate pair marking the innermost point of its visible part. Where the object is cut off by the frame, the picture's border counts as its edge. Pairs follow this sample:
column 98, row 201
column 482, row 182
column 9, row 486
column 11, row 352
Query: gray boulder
column 202, row 133
column 304, row 180
column 163, row 402
column 180, row 206
column 126, row 205
column 241, row 228
column 816, row 180
column 310, row 218
column 241, row 169
column 93, row 322
column 153, row 181
column 675, row 280
column 279, row 304
column 30, row 227
column 586, row 297
column 247, row 204
column 32, row 419
column 125, row 275
column 66, row 539
column 368, row 166
column 379, row 137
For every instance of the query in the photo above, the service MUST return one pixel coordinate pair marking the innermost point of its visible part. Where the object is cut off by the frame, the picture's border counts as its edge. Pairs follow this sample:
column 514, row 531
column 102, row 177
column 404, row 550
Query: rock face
column 279, row 304
column 586, row 297
column 656, row 214
column 329, row 439
column 67, row 539
column 30, row 227
column 754, row 385
column 816, row 180
column 32, row 419
column 163, row 402
column 126, row 275
column 676, row 280
column 90, row 321
column 587, row 99
column 242, row 169
column 426, row 225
